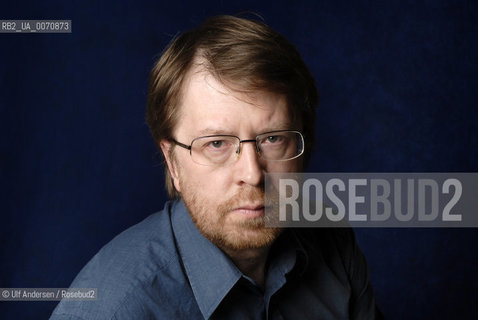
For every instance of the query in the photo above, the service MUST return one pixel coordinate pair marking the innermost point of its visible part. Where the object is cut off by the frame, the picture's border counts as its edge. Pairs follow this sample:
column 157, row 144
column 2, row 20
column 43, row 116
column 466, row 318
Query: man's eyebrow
column 214, row 131
column 280, row 126
column 217, row 131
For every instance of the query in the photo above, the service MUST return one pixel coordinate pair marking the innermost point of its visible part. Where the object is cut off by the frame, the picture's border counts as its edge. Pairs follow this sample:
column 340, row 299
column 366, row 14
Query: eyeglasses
column 221, row 150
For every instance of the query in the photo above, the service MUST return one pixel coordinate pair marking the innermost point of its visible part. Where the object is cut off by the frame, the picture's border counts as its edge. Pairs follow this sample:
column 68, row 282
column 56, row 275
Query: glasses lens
column 213, row 150
column 281, row 145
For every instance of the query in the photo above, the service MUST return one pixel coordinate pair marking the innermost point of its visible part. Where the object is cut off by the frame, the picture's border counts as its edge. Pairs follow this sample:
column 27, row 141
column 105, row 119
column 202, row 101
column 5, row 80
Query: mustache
column 244, row 196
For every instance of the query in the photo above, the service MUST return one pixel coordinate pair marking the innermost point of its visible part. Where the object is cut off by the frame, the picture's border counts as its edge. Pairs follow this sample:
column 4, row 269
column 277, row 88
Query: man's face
column 227, row 202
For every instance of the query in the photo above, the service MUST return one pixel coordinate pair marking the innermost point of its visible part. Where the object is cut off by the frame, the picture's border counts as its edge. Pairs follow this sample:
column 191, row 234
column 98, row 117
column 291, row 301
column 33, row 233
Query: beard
column 228, row 231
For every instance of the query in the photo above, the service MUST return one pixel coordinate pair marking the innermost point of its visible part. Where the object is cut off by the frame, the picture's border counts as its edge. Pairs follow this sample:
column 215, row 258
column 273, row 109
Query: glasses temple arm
column 181, row 144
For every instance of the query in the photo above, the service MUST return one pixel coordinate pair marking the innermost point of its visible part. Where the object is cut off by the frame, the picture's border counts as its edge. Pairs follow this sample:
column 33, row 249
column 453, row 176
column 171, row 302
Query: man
column 228, row 102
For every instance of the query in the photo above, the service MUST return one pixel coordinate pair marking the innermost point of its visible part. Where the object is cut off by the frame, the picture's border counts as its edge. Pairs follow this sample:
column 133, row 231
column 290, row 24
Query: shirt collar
column 294, row 239
column 210, row 272
column 287, row 257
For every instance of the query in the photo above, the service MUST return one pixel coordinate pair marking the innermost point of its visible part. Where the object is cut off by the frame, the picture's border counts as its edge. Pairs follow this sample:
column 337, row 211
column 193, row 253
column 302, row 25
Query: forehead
column 209, row 105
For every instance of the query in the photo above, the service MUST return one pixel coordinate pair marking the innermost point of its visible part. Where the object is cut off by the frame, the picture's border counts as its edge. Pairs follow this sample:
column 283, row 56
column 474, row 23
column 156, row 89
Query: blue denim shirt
column 163, row 268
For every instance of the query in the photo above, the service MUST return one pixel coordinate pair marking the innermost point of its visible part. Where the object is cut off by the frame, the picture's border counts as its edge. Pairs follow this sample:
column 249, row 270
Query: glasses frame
column 238, row 151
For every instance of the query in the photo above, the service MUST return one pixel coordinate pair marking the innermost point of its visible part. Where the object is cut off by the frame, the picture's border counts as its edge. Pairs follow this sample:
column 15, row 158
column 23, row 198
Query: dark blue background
column 398, row 81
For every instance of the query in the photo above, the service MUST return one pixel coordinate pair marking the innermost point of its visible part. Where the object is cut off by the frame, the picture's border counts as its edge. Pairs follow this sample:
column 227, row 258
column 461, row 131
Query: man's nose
column 249, row 169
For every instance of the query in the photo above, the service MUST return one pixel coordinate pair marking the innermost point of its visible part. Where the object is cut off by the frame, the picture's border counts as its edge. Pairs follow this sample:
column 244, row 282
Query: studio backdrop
column 398, row 82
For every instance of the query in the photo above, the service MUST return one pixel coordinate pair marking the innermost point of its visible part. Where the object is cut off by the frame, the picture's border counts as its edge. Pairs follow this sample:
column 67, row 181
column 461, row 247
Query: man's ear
column 171, row 163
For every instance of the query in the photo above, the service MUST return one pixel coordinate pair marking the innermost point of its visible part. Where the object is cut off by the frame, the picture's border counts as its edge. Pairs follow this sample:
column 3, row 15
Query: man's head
column 230, row 77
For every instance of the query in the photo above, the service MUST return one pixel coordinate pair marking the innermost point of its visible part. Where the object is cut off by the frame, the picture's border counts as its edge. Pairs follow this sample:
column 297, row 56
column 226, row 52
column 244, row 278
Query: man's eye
column 217, row 144
column 274, row 139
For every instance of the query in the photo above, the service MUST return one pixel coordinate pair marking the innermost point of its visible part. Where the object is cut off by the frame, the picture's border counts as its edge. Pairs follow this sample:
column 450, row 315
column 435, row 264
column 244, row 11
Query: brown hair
column 246, row 53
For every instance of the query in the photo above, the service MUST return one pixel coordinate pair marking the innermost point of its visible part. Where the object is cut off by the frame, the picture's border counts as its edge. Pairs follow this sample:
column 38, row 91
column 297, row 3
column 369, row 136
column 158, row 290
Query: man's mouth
column 250, row 210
